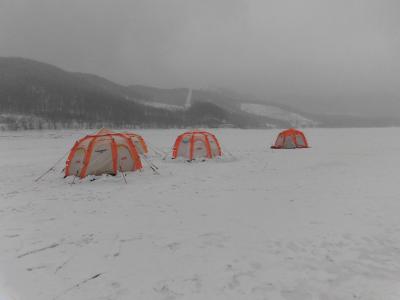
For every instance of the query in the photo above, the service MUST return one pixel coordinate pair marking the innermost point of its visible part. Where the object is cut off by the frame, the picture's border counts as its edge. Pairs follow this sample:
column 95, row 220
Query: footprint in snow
column 214, row 239
column 173, row 246
column 166, row 292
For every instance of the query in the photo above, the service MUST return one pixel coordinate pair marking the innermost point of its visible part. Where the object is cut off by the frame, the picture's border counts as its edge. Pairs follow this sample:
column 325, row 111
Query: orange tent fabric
column 105, row 152
column 290, row 139
column 196, row 144
column 139, row 142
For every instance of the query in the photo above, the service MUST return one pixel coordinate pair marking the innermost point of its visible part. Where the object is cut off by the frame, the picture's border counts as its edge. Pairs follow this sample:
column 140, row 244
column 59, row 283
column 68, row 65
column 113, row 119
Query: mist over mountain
column 323, row 57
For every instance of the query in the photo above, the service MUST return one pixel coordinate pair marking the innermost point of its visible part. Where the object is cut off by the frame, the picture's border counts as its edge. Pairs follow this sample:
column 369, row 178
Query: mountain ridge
column 36, row 95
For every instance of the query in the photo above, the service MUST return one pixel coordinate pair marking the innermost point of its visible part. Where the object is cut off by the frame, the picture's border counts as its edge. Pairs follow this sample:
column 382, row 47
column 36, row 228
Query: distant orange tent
column 105, row 152
column 196, row 144
column 290, row 139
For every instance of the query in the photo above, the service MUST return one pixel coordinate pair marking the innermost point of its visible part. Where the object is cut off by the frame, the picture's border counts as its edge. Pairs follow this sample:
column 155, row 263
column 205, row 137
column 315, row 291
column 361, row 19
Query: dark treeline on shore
column 35, row 95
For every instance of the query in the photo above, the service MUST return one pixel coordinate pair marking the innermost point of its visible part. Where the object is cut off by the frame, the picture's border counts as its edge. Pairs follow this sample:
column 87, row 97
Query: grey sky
column 330, row 56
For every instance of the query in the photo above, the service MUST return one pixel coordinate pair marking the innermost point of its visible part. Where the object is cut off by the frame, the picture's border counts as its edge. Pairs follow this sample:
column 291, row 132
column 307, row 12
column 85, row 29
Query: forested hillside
column 38, row 95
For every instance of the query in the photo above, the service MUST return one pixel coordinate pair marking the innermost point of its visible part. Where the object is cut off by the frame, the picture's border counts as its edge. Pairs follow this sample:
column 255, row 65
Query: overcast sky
column 326, row 56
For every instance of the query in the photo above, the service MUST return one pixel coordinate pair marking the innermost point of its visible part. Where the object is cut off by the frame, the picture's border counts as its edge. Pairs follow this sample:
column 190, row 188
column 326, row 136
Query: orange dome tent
column 290, row 139
column 105, row 152
column 196, row 144
column 139, row 142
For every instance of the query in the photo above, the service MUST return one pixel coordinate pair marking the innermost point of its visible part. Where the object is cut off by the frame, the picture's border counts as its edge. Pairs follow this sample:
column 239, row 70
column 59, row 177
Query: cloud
column 319, row 55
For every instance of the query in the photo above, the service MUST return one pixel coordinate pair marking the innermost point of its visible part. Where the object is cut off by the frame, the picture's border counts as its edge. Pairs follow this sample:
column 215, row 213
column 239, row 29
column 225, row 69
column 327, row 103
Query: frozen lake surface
column 320, row 223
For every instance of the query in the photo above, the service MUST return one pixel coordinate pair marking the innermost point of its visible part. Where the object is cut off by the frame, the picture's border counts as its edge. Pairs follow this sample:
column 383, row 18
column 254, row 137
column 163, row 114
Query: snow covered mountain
column 177, row 99
column 274, row 112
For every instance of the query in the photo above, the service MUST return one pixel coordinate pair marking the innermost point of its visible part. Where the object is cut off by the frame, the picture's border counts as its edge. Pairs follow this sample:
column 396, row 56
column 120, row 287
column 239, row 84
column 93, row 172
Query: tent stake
column 123, row 175
column 75, row 175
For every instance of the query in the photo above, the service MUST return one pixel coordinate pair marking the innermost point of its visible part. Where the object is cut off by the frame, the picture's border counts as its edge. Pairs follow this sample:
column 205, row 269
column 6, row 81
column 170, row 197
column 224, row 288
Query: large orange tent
column 196, row 144
column 105, row 152
column 290, row 139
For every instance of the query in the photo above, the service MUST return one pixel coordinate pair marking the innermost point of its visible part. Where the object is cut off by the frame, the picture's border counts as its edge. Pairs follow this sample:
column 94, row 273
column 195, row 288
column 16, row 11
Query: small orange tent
column 290, row 139
column 105, row 152
column 139, row 142
column 196, row 144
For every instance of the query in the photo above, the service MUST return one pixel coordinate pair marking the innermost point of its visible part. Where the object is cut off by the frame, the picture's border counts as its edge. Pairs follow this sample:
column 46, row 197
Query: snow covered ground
column 170, row 107
column 321, row 223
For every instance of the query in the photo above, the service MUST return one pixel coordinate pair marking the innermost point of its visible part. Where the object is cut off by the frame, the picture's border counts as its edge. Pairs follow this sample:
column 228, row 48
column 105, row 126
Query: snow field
column 318, row 223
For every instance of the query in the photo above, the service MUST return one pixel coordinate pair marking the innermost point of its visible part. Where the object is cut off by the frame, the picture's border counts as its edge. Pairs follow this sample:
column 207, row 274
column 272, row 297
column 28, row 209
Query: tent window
column 101, row 159
column 300, row 140
column 200, row 149
column 289, row 143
